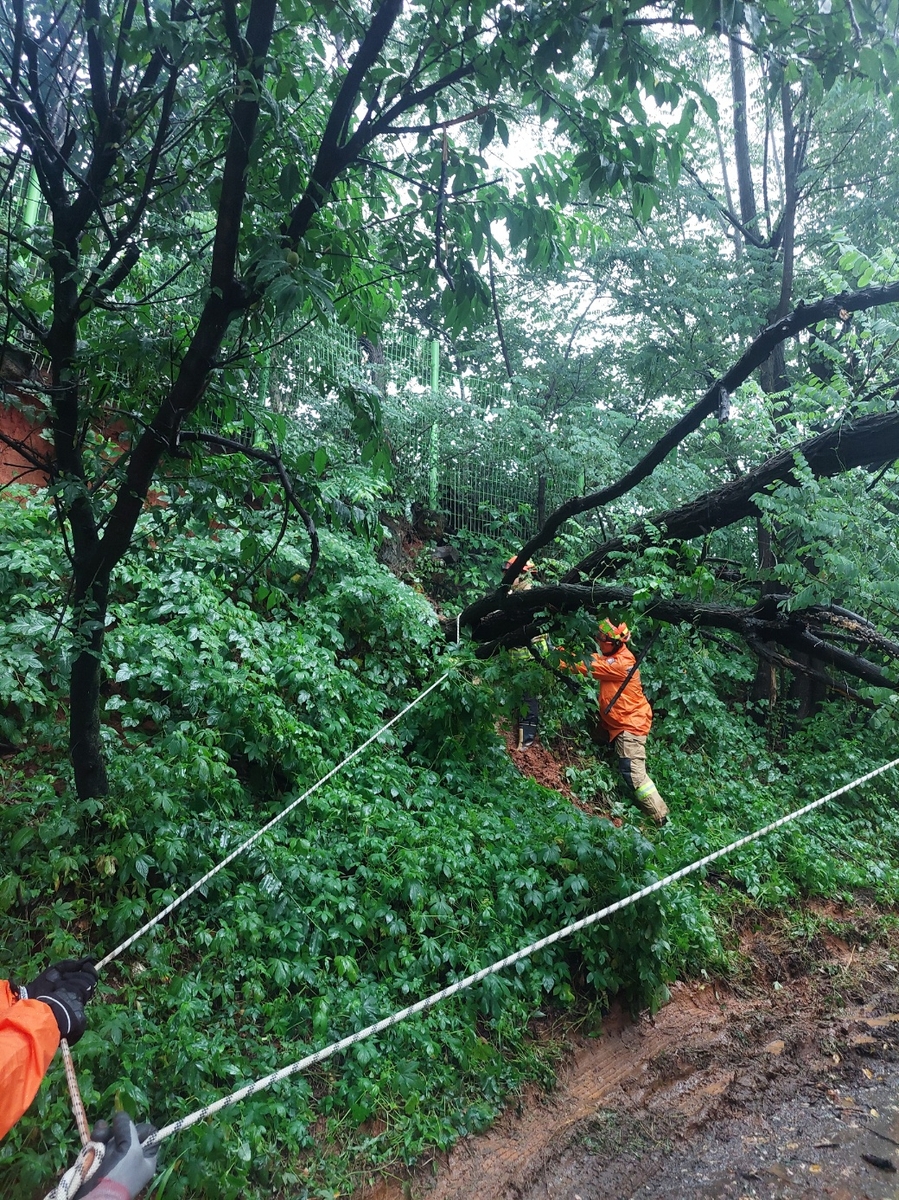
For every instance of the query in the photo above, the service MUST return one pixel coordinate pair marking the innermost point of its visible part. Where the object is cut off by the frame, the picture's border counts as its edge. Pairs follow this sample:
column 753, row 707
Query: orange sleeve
column 29, row 1036
column 616, row 666
column 579, row 668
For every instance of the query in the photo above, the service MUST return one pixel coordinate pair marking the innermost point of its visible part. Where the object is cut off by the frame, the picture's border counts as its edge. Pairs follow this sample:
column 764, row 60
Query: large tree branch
column 868, row 442
column 332, row 156
column 125, row 27
column 748, row 210
column 244, row 119
column 802, row 317
column 384, row 124
column 524, row 613
column 96, row 64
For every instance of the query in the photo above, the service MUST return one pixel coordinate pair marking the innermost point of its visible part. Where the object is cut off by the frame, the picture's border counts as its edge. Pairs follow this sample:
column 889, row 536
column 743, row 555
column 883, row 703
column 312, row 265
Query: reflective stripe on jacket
column 631, row 712
column 29, row 1037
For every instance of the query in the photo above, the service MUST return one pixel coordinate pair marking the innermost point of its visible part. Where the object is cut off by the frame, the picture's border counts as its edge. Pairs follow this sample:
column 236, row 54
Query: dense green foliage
column 427, row 858
column 424, row 860
column 591, row 289
column 236, row 171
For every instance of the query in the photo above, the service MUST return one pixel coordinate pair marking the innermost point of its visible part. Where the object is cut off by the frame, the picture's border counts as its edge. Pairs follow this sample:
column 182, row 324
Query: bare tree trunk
column 772, row 373
column 85, row 679
column 748, row 208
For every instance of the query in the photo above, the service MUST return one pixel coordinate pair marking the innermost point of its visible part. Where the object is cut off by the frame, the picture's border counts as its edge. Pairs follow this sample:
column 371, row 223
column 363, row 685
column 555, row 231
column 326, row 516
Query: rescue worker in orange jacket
column 33, row 1019
column 629, row 719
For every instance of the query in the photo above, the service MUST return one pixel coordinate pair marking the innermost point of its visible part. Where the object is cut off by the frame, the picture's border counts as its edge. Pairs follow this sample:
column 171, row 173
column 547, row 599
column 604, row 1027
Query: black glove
column 126, row 1161
column 77, row 976
column 66, row 987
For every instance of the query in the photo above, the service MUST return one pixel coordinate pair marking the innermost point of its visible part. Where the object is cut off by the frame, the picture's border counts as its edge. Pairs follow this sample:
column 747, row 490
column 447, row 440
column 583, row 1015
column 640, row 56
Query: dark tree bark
column 526, row 613
column 745, row 186
column 869, row 442
column 801, row 318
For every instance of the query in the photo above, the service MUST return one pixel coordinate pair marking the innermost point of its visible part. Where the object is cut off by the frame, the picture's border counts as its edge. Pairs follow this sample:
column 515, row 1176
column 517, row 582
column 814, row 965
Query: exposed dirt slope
column 547, row 767
column 776, row 1087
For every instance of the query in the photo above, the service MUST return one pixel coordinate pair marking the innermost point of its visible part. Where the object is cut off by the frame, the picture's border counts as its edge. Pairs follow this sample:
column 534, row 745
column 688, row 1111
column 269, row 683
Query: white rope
column 86, row 1166
column 265, row 828
column 74, row 1093
column 422, row 1005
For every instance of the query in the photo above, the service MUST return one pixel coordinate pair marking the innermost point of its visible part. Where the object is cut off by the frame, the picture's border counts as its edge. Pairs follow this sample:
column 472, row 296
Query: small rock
column 779, row 1172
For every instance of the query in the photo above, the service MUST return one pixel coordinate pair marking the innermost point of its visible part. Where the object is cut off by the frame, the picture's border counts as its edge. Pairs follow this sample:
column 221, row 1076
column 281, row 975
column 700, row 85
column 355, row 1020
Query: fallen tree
column 506, row 619
column 870, row 442
column 526, row 614
column 804, row 316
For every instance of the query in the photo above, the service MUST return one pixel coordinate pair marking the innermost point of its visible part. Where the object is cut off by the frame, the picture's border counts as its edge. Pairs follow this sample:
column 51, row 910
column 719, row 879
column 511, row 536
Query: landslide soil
column 781, row 1082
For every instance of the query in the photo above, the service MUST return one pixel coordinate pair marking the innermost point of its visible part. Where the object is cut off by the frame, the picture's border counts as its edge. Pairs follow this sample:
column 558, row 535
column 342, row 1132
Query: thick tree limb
column 333, row 156
column 802, row 317
column 854, row 627
column 523, row 614
column 868, row 442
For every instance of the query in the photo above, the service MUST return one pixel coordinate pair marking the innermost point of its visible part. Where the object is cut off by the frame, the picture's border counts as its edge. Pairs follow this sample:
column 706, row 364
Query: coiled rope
column 265, row 828
column 462, row 984
column 84, row 1168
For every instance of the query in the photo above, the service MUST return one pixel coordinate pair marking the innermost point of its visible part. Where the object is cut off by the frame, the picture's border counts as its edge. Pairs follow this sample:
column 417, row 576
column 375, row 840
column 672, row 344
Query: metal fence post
column 433, row 453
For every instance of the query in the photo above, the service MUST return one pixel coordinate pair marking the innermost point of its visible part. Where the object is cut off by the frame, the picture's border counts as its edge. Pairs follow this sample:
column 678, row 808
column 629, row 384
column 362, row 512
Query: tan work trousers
column 631, row 751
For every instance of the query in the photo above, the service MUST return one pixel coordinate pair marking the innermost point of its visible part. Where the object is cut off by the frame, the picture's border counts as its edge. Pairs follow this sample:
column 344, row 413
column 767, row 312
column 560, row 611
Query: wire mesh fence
column 449, row 434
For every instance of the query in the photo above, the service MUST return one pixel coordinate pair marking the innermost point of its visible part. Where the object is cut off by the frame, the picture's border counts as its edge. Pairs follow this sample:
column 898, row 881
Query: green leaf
column 289, row 181
column 488, row 129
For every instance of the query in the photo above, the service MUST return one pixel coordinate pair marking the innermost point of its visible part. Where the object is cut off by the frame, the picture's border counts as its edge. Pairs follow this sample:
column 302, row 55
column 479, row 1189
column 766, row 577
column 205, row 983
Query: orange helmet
column 613, row 633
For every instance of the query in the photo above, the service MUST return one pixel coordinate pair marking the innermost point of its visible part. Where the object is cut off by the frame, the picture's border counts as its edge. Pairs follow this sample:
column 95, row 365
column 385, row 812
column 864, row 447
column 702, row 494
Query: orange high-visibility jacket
column 29, row 1036
column 631, row 712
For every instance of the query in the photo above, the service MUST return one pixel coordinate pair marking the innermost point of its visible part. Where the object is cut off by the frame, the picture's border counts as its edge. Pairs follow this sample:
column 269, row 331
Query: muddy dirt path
column 784, row 1084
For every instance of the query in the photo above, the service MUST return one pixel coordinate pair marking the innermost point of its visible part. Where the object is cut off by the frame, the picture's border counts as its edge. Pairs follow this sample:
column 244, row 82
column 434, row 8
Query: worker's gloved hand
column 75, row 975
column 66, row 987
column 68, row 1011
column 127, row 1166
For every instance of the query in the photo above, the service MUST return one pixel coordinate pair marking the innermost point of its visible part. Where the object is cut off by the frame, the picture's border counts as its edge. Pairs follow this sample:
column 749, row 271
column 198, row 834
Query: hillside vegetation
column 314, row 314
column 427, row 858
